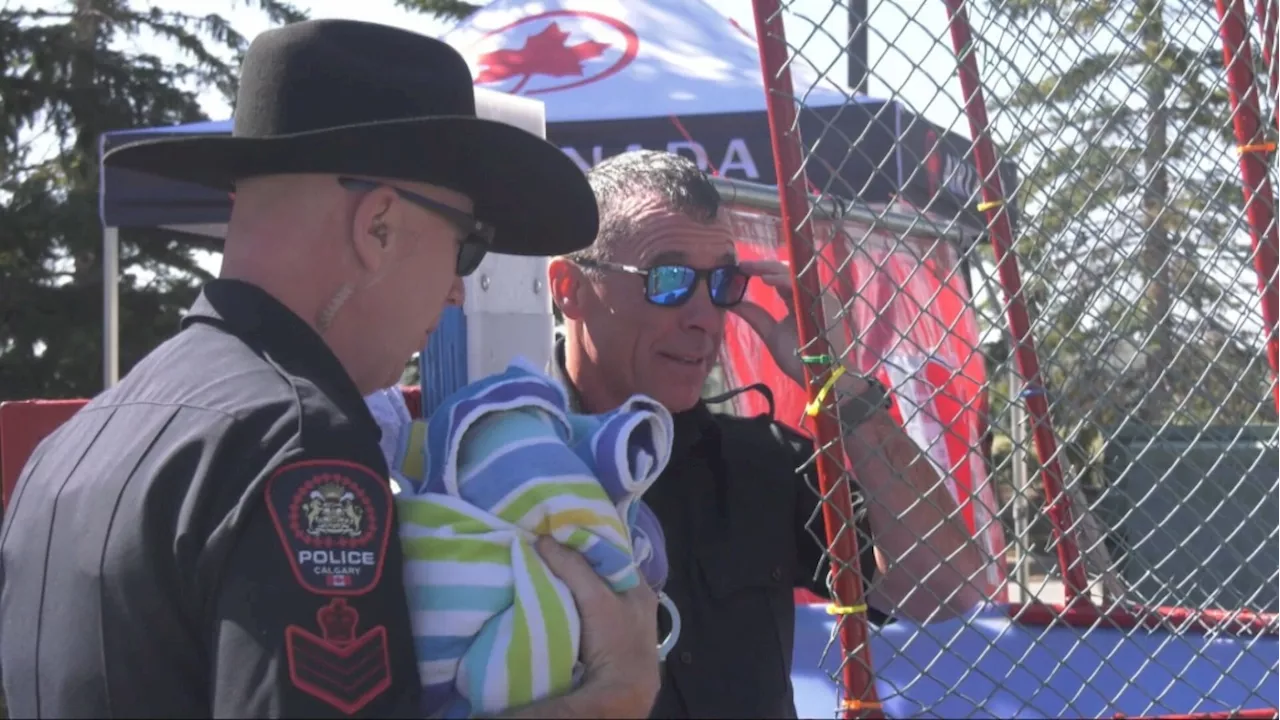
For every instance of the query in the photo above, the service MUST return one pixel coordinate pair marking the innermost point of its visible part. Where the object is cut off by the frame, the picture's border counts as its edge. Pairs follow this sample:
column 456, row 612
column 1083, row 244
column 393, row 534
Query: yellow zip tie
column 1258, row 147
column 989, row 205
column 856, row 705
column 834, row 609
column 813, row 408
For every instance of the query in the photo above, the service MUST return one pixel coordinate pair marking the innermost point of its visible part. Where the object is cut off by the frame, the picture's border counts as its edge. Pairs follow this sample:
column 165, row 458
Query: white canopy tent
column 593, row 60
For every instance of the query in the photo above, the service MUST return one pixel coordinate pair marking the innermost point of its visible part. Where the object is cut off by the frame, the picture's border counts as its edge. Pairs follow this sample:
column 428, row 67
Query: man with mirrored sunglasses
column 644, row 312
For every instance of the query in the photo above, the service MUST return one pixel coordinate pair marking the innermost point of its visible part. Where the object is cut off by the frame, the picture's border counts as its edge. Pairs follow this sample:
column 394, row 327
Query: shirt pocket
column 750, row 587
column 732, row 573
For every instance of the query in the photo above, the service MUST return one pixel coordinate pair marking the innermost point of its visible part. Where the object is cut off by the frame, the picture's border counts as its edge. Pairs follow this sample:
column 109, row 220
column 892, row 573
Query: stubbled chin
column 678, row 398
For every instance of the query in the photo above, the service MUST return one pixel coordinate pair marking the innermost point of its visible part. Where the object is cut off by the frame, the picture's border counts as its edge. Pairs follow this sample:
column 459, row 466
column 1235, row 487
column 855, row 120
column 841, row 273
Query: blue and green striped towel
column 499, row 463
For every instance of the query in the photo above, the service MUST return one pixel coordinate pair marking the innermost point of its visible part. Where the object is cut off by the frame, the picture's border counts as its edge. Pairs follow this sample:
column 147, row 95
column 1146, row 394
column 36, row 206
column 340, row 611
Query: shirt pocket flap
column 729, row 570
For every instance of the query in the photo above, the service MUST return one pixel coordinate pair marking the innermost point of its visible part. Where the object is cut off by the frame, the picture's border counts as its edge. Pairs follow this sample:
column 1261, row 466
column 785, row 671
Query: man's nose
column 457, row 293
column 701, row 314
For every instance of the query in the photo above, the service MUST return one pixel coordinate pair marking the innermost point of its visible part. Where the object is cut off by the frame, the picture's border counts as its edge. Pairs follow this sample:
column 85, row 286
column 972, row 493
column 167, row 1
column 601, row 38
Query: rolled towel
column 503, row 461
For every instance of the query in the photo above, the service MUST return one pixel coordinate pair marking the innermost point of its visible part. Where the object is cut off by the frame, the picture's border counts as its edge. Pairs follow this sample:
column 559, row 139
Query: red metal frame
column 1156, row 617
column 1266, row 11
column 1251, row 139
column 1075, row 582
column 1078, row 611
column 23, row 425
column 797, row 229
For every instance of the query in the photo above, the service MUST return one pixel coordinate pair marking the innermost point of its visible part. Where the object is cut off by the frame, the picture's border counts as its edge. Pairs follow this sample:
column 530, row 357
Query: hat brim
column 536, row 198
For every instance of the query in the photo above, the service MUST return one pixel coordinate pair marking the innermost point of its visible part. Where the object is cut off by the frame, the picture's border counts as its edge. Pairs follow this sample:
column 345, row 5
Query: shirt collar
column 693, row 427
column 252, row 314
column 555, row 368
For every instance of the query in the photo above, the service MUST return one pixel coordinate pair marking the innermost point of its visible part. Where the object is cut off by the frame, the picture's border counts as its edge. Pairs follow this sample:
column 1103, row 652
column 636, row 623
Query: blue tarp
column 988, row 666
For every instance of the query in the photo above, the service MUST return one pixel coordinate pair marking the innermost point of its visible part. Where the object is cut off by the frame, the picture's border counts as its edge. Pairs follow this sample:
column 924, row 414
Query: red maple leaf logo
column 543, row 54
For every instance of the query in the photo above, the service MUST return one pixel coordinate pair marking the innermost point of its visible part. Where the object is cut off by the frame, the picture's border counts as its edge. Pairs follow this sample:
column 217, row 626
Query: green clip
column 817, row 359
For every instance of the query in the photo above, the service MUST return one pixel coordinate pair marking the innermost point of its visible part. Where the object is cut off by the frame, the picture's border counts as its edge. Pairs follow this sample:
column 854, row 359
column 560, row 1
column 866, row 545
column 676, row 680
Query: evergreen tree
column 71, row 74
column 1133, row 241
column 1134, row 252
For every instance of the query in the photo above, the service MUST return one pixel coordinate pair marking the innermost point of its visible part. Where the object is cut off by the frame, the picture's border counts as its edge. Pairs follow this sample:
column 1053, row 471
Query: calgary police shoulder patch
column 334, row 518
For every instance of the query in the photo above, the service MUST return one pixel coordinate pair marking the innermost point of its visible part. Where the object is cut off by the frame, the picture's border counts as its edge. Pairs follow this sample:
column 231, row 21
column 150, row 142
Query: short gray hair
column 674, row 179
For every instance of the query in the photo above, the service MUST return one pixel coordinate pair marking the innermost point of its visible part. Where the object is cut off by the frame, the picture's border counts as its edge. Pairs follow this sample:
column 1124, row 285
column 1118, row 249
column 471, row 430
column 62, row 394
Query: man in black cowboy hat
column 215, row 535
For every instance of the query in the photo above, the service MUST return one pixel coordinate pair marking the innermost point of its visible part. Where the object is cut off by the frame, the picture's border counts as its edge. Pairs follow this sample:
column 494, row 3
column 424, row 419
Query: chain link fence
column 1072, row 296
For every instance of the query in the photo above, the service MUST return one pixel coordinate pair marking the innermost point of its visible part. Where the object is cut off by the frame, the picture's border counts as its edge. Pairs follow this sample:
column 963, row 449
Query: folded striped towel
column 499, row 463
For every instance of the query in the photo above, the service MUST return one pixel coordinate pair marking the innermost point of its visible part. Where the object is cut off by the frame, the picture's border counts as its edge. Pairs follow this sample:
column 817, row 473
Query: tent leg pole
column 110, row 306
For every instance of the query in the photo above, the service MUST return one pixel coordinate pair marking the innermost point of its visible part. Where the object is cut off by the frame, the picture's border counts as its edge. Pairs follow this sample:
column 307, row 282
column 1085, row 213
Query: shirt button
column 686, row 657
column 777, row 574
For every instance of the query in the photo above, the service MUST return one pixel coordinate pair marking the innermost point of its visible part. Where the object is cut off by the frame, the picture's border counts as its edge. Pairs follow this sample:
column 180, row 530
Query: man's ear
column 376, row 227
column 568, row 285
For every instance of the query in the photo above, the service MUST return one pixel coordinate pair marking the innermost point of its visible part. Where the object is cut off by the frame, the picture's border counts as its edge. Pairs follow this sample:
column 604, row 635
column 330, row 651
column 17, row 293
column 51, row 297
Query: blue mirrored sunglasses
column 669, row 285
column 477, row 236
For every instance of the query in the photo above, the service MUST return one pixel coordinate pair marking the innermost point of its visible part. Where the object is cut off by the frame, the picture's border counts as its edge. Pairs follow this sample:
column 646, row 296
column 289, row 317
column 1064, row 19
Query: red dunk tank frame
column 859, row 687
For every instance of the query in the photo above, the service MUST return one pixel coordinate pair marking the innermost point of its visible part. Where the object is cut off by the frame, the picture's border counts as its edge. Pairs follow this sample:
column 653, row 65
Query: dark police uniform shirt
column 740, row 536
column 214, row 536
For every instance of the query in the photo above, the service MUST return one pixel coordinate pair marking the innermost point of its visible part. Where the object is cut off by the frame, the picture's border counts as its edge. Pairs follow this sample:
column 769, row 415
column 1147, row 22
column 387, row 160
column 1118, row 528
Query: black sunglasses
column 477, row 236
column 673, row 285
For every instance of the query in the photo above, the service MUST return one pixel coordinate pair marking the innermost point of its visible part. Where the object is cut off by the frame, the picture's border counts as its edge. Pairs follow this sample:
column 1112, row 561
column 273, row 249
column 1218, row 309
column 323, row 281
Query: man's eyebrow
column 669, row 257
column 677, row 257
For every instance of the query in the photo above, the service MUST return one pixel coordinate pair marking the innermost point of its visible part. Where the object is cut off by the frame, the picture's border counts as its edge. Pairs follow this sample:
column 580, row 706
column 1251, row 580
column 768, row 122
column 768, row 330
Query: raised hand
column 778, row 335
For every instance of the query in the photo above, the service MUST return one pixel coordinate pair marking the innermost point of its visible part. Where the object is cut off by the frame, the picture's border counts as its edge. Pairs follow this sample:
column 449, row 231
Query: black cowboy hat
column 357, row 98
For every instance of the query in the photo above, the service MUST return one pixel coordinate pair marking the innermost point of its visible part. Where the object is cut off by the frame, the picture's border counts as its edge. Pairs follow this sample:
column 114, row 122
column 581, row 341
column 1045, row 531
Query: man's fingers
column 757, row 317
column 642, row 604
column 571, row 567
column 764, row 267
column 583, row 582
column 773, row 273
column 778, row 281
